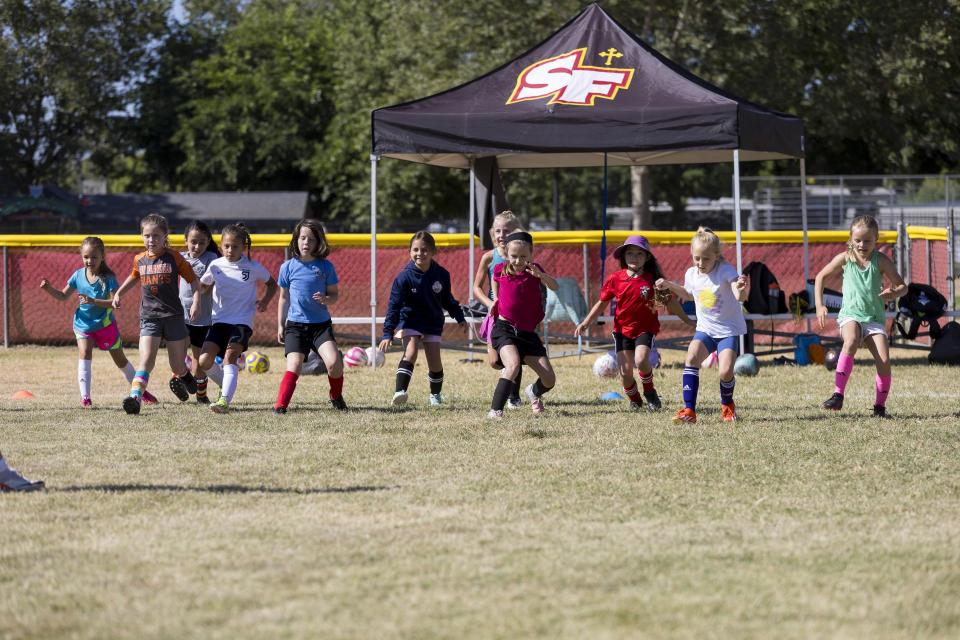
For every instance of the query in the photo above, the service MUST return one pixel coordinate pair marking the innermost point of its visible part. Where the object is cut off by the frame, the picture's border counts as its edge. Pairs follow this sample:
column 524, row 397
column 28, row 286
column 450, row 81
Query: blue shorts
column 718, row 344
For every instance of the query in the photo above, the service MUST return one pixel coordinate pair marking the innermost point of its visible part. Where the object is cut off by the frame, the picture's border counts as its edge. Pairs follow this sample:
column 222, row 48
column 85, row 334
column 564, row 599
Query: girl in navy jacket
column 415, row 314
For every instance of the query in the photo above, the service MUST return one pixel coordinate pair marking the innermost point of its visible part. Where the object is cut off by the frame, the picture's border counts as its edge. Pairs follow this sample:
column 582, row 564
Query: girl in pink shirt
column 518, row 310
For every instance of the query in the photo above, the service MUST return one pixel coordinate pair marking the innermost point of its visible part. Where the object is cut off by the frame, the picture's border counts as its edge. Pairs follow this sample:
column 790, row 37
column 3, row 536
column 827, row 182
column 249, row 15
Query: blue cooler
column 802, row 342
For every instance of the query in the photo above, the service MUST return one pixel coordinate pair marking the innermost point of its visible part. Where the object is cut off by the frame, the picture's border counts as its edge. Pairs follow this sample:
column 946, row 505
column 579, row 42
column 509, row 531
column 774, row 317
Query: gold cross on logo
column 610, row 54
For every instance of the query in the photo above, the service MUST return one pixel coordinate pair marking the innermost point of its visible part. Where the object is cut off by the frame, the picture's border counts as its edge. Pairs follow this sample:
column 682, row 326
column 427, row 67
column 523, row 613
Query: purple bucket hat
column 633, row 241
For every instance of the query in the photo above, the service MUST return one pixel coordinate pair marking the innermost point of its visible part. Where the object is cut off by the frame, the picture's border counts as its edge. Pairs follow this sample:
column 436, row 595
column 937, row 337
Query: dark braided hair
column 239, row 231
column 201, row 226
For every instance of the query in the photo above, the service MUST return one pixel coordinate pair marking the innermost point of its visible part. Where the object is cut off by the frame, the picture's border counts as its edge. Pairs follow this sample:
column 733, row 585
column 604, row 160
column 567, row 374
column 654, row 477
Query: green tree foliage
column 66, row 69
column 257, row 108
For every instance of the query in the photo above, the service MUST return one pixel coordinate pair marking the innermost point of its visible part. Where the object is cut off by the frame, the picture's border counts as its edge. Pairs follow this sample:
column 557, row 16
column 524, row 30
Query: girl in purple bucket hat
column 635, row 321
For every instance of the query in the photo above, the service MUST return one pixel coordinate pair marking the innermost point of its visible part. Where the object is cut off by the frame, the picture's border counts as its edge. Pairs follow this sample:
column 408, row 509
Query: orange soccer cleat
column 685, row 415
column 728, row 412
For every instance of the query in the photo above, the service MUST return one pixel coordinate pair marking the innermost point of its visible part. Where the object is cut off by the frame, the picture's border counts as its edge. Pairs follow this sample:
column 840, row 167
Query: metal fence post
column 6, row 299
column 586, row 285
column 951, row 283
column 929, row 264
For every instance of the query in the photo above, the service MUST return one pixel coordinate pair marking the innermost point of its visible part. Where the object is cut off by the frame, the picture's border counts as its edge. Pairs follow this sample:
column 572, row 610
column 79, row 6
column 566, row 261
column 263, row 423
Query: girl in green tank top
column 861, row 318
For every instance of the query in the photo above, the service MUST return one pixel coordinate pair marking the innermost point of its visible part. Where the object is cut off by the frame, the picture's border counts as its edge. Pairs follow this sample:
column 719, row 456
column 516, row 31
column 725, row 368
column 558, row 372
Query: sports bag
column 920, row 305
column 946, row 348
column 765, row 297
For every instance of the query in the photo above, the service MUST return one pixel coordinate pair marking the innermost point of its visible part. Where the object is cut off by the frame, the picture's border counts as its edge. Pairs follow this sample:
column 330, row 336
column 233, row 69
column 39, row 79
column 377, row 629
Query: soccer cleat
column 686, row 415
column 280, row 410
column 436, row 400
column 220, row 406
column 399, row 398
column 728, row 412
column 203, row 399
column 879, row 411
column 339, row 403
column 514, row 403
column 834, row 402
column 495, row 414
column 86, row 403
column 536, row 402
column 190, row 384
column 131, row 404
column 149, row 398
column 11, row 480
column 653, row 400
column 636, row 406
column 179, row 389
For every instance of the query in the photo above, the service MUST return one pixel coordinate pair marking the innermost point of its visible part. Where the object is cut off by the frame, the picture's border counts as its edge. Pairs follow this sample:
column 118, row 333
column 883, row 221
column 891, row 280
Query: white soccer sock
column 128, row 372
column 229, row 387
column 84, row 376
column 215, row 373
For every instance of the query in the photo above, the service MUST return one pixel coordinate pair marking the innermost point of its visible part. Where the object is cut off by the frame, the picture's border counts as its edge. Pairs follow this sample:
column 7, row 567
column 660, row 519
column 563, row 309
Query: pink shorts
column 106, row 339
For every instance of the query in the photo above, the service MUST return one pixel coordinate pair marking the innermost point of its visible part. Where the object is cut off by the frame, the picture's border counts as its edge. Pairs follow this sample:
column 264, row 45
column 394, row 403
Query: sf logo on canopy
column 566, row 80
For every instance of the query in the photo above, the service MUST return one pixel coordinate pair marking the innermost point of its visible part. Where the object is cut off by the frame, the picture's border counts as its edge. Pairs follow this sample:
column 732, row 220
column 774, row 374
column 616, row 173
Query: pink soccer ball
column 355, row 357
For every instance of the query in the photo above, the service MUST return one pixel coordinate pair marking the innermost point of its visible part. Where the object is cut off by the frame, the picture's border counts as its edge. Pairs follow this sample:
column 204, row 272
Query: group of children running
column 205, row 298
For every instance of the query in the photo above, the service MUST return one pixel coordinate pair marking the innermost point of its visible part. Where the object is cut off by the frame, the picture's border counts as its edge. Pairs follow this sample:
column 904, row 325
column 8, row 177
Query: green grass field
column 588, row 522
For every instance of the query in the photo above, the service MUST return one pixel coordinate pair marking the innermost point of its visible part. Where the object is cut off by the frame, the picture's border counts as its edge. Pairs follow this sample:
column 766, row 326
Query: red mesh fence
column 36, row 317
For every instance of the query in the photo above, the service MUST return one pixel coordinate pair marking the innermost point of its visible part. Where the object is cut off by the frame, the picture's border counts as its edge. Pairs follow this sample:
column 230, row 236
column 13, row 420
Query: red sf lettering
column 566, row 80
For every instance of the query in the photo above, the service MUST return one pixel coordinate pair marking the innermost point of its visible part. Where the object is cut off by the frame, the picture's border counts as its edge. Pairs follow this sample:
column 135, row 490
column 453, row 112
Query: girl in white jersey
column 233, row 279
column 718, row 292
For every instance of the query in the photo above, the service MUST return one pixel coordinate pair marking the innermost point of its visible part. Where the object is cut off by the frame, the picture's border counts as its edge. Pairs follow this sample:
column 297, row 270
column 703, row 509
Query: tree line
column 242, row 95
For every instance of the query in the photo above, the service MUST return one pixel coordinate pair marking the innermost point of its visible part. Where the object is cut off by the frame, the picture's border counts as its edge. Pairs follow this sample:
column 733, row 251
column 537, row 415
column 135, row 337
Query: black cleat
column 190, row 382
column 879, row 411
column 636, row 406
column 280, row 410
column 653, row 400
column 179, row 389
column 203, row 400
column 834, row 402
column 131, row 405
column 338, row 403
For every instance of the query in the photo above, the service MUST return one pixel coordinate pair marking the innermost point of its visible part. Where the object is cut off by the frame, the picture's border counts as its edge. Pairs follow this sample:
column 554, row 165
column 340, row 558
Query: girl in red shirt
column 635, row 321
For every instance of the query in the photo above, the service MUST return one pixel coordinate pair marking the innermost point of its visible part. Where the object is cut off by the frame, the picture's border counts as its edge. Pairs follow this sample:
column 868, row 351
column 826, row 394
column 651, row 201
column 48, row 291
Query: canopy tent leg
column 603, row 226
column 803, row 217
column 373, row 255
column 736, row 222
column 470, row 259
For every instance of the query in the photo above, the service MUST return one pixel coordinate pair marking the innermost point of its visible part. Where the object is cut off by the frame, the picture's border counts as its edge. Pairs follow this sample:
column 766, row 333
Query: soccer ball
column 375, row 355
column 605, row 366
column 257, row 362
column 711, row 360
column 830, row 358
column 355, row 357
column 746, row 365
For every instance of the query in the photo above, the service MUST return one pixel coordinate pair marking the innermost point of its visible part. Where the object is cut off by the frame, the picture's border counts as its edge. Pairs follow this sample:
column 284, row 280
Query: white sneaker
column 515, row 403
column 10, row 480
column 399, row 398
column 493, row 414
column 436, row 400
column 536, row 402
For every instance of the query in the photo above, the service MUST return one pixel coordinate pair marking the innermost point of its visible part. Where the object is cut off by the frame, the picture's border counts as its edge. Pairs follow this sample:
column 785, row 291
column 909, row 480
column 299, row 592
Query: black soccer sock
column 404, row 373
column 515, row 391
column 500, row 393
column 436, row 381
column 539, row 389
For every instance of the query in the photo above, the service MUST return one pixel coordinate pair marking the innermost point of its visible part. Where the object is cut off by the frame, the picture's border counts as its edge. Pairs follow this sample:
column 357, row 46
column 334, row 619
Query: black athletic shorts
column 302, row 337
column 223, row 334
column 198, row 334
column 527, row 342
column 623, row 343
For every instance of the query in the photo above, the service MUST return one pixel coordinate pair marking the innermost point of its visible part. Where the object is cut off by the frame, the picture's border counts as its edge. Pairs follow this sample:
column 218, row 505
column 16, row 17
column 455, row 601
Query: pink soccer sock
column 844, row 367
column 883, row 389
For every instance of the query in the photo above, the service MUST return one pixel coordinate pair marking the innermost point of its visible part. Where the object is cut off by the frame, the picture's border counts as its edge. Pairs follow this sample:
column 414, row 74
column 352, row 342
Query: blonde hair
column 707, row 238
column 508, row 219
column 508, row 267
column 868, row 222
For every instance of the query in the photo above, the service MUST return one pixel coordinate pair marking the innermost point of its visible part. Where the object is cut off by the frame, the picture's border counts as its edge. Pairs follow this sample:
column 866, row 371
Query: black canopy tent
column 591, row 94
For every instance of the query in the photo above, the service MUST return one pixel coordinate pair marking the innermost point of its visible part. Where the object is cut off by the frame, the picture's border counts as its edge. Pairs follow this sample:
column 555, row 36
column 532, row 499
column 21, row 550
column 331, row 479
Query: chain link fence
column 30, row 316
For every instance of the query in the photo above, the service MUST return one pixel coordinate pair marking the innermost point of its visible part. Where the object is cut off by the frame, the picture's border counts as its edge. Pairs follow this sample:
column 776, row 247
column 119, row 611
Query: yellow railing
column 462, row 239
